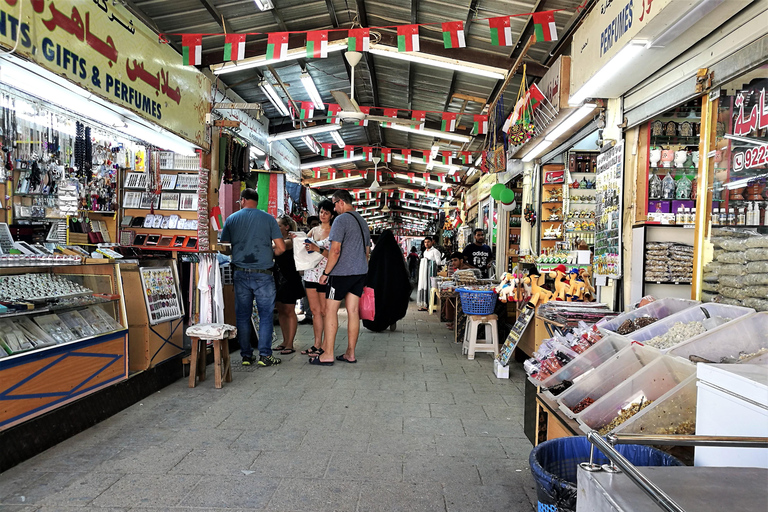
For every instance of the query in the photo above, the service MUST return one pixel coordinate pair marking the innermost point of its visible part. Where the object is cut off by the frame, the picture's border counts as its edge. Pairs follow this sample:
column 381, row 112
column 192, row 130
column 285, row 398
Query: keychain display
column 161, row 294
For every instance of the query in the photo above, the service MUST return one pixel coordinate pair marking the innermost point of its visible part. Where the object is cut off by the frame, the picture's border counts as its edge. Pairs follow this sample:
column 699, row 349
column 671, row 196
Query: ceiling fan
column 350, row 110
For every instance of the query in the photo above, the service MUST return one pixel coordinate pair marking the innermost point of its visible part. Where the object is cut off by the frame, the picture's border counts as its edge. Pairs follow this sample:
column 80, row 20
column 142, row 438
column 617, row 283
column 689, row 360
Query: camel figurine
column 539, row 295
column 586, row 278
column 577, row 287
column 561, row 288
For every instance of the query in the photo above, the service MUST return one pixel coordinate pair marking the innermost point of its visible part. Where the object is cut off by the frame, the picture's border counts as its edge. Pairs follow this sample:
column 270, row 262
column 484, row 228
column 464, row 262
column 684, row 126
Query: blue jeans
column 261, row 287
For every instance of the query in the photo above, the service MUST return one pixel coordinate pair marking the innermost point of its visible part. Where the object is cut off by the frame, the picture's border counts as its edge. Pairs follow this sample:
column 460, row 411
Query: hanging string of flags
column 359, row 39
column 439, row 178
column 407, row 156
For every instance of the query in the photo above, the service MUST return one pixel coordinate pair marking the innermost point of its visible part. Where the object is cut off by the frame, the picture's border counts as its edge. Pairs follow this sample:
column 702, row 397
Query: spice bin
column 607, row 376
column 745, row 336
column 672, row 414
column 591, row 358
column 651, row 383
column 660, row 309
column 692, row 314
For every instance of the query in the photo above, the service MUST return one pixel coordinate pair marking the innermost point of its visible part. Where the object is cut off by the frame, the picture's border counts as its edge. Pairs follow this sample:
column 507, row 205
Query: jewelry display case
column 63, row 335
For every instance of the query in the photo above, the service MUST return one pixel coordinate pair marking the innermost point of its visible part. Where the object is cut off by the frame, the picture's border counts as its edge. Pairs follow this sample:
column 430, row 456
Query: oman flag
column 318, row 172
column 536, row 96
column 192, row 49
column 408, row 38
column 406, row 155
column 453, row 34
column 317, row 44
column 234, row 47
column 389, row 112
column 544, row 26
column 501, row 32
column 327, row 150
column 368, row 153
column 447, row 157
column 481, row 125
column 364, row 121
column 466, row 157
column 277, row 45
column 386, row 155
column 449, row 121
column 307, row 110
column 358, row 39
column 419, row 116
column 411, row 177
column 349, row 151
column 333, row 113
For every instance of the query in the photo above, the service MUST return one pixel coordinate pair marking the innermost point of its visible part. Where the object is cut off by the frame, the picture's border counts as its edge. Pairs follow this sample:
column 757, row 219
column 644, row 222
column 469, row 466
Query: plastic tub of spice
column 594, row 385
column 639, row 391
column 674, row 413
column 655, row 311
column 687, row 324
column 591, row 358
column 737, row 341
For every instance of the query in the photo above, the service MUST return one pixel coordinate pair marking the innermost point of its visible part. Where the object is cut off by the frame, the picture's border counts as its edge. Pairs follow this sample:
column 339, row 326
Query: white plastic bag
column 303, row 259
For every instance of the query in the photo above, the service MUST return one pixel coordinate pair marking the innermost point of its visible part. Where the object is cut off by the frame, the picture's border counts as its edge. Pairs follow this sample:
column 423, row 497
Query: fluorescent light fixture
column 430, row 132
column 440, row 62
column 541, row 146
column 336, row 181
column 570, row 121
column 746, row 140
column 256, row 152
column 419, row 209
column 337, row 138
column 311, row 143
column 274, row 98
column 261, row 60
column 264, row 5
column 610, row 69
column 314, row 95
column 312, row 130
column 685, row 22
column 330, row 162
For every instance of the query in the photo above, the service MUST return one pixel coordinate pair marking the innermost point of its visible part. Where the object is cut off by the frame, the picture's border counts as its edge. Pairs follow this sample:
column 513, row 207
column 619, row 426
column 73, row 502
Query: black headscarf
column 388, row 276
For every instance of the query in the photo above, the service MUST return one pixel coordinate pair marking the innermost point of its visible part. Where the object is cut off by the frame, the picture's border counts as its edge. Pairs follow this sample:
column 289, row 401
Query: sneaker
column 248, row 361
column 269, row 361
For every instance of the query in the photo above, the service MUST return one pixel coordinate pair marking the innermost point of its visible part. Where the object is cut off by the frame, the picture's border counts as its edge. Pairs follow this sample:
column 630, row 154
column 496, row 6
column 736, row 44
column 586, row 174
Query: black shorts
column 340, row 286
column 309, row 285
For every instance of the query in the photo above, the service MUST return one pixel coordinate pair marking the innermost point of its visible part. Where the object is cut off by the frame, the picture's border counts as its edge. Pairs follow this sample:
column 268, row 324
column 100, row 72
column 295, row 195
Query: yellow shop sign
column 99, row 46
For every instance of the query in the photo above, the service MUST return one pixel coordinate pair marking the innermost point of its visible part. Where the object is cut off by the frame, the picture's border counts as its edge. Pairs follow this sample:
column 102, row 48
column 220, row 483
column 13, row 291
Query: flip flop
column 343, row 358
column 317, row 362
column 279, row 347
column 287, row 351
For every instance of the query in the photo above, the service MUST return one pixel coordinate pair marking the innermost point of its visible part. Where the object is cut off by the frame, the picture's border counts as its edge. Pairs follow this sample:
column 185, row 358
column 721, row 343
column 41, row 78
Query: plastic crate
column 591, row 358
column 477, row 302
column 665, row 416
column 607, row 376
column 659, row 309
column 689, row 315
column 745, row 335
column 652, row 382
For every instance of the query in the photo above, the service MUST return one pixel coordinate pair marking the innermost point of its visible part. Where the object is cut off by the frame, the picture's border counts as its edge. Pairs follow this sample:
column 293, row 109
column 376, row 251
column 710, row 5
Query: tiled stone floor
column 413, row 426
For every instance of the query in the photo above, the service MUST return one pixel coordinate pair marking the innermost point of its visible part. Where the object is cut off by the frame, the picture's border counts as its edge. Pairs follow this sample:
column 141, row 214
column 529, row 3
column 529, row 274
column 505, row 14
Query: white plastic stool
column 434, row 300
column 491, row 342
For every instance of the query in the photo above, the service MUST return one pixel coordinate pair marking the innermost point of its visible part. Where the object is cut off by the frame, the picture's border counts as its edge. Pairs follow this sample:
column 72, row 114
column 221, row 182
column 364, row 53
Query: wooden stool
column 474, row 322
column 434, row 300
column 220, row 344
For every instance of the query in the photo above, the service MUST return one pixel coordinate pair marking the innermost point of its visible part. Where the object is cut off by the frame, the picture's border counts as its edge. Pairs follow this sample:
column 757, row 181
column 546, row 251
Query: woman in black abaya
column 388, row 276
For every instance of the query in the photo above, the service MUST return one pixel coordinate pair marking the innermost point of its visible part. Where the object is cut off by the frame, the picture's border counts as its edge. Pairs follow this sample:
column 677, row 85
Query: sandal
column 313, row 351
column 279, row 347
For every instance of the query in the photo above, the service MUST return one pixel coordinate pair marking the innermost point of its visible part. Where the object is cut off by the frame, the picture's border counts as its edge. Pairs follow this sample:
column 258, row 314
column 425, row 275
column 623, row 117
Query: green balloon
column 507, row 196
column 497, row 190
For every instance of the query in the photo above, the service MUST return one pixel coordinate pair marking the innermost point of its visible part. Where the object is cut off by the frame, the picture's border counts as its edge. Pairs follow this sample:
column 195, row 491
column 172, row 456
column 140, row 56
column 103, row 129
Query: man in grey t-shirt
column 345, row 274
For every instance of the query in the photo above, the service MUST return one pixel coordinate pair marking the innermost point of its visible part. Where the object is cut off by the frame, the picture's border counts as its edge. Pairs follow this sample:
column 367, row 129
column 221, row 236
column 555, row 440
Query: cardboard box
column 501, row 372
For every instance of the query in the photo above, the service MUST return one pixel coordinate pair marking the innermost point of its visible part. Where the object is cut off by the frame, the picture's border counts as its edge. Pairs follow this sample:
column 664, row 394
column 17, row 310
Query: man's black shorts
column 340, row 286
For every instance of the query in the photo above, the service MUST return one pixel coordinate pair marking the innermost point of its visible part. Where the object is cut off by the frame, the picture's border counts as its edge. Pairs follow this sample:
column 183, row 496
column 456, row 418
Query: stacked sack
column 668, row 261
column 739, row 272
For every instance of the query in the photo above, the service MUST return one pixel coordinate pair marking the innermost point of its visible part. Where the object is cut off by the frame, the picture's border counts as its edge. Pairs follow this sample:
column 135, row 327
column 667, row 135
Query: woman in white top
column 315, row 290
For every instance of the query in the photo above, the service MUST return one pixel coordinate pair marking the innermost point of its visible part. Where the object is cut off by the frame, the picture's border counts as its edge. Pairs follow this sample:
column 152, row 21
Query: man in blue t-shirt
column 251, row 233
column 345, row 274
column 478, row 254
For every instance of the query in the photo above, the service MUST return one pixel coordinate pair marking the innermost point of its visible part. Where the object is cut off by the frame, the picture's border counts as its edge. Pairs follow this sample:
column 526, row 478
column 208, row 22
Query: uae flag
column 448, row 157
column 327, row 150
column 349, row 151
column 544, row 26
column 406, row 155
column 501, row 32
column 192, row 49
column 419, row 116
column 307, row 110
column 453, row 34
column 364, row 121
column 481, row 125
column 358, row 39
column 277, row 45
column 368, row 153
column 234, row 47
column 386, row 155
column 408, row 38
column 389, row 112
column 317, row 44
column 449, row 121
column 465, row 157
column 333, row 113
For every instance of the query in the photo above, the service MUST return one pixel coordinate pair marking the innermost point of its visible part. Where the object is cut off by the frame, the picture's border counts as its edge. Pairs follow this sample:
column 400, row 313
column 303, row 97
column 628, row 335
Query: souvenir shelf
column 580, row 200
column 515, row 219
column 552, row 211
column 62, row 336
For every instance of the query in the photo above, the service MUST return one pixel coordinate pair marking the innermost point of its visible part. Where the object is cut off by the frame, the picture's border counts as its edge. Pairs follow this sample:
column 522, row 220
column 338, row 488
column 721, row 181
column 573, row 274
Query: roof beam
column 332, row 13
column 527, row 29
column 470, row 16
column 362, row 14
column 216, row 15
column 414, row 12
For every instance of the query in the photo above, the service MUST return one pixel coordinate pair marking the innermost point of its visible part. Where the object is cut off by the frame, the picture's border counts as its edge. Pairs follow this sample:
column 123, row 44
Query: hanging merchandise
column 530, row 215
column 520, row 127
